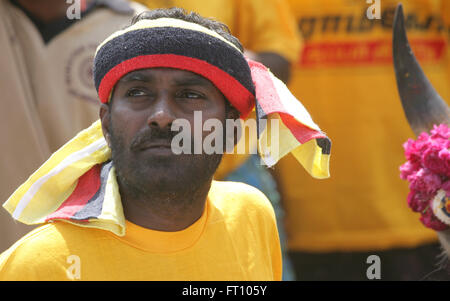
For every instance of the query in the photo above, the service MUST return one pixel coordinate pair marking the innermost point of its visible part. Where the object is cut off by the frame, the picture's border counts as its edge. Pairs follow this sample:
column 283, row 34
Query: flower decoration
column 428, row 173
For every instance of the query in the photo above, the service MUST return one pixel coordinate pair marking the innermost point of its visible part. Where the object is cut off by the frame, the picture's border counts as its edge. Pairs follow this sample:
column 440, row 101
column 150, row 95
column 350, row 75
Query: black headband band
column 174, row 47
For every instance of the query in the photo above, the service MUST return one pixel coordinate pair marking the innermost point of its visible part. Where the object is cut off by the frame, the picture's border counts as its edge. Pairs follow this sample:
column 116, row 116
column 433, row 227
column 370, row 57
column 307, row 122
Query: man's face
column 137, row 127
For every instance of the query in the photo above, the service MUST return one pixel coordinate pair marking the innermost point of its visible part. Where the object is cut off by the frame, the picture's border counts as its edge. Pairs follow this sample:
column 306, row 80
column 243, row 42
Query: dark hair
column 181, row 14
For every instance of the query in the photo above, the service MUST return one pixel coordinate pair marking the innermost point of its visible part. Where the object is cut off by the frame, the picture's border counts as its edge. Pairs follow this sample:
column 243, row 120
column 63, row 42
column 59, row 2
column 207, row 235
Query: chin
column 168, row 176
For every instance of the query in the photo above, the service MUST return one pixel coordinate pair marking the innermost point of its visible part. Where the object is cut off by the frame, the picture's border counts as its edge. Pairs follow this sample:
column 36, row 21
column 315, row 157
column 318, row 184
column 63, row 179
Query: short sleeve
column 267, row 26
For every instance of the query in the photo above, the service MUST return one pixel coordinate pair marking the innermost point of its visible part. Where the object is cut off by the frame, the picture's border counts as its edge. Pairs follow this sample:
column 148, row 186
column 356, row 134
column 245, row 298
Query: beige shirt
column 47, row 94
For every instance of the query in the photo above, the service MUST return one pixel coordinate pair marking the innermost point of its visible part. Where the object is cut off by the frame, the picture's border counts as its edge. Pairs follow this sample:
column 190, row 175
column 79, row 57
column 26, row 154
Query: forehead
column 175, row 76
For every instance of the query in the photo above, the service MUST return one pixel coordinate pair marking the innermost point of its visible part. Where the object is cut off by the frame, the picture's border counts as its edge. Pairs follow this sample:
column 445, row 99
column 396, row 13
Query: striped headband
column 174, row 43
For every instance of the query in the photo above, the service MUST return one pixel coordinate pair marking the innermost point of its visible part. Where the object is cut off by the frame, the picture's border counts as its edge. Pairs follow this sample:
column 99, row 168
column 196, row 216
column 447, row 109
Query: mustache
column 153, row 134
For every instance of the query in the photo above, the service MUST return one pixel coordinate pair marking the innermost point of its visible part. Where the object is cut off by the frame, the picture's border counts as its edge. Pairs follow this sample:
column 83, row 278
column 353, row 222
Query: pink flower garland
column 427, row 170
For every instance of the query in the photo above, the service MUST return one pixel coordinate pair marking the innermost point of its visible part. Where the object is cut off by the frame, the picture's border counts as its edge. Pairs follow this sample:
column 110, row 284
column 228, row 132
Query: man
column 361, row 210
column 125, row 206
column 46, row 65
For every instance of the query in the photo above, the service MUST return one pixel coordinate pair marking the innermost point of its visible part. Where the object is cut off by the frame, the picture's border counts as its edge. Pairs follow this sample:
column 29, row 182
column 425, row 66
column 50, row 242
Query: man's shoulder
column 25, row 252
column 245, row 215
column 239, row 190
column 49, row 234
column 43, row 252
column 239, row 197
column 32, row 238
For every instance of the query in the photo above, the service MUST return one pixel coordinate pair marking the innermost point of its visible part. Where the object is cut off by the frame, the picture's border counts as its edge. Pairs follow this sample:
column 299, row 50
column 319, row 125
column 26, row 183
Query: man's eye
column 191, row 95
column 134, row 92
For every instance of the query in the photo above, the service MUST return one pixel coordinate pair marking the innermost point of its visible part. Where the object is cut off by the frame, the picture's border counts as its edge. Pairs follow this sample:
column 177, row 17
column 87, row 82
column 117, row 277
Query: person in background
column 46, row 82
column 345, row 77
column 265, row 28
column 267, row 31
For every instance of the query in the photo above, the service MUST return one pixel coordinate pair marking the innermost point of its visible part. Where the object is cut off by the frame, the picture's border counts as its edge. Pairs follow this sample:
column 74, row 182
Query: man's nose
column 162, row 114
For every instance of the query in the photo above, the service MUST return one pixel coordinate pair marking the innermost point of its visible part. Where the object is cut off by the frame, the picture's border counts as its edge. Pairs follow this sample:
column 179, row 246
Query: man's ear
column 105, row 120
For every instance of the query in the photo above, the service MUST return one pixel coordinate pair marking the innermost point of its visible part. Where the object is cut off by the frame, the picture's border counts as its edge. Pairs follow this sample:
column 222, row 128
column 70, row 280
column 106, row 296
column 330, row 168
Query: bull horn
column 421, row 103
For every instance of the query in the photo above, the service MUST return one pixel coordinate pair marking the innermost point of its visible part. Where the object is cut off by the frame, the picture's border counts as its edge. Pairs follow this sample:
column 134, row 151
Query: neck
column 163, row 211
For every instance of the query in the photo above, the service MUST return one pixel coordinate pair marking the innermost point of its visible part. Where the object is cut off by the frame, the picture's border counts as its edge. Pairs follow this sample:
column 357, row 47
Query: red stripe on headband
column 237, row 94
column 270, row 102
column 265, row 90
column 300, row 131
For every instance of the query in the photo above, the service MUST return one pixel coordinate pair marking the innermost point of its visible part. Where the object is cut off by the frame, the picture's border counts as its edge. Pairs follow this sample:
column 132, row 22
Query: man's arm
column 277, row 64
column 269, row 34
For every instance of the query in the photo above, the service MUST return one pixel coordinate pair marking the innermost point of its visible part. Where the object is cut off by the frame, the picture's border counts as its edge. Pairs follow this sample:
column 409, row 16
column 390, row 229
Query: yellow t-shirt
column 236, row 238
column 345, row 78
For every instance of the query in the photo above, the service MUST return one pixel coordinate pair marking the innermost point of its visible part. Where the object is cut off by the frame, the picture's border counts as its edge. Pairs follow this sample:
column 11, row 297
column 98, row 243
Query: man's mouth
column 156, row 147
column 146, row 146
